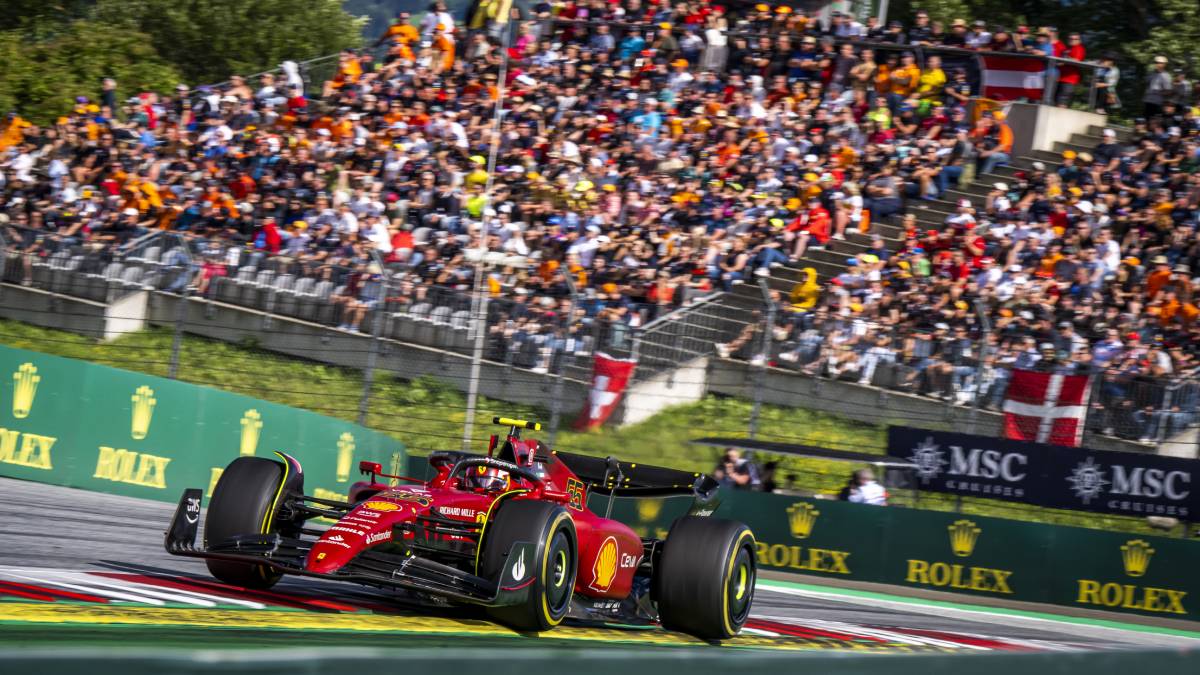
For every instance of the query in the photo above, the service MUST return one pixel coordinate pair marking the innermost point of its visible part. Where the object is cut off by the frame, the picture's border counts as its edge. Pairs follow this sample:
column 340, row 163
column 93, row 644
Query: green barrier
column 941, row 551
column 73, row 423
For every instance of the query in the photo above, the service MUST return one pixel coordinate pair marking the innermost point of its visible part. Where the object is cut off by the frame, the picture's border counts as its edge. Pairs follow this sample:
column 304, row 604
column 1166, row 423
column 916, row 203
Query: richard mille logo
column 1087, row 480
column 928, row 459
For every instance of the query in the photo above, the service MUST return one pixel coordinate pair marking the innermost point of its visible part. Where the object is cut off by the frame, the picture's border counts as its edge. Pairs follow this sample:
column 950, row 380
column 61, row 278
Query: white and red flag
column 1046, row 407
column 1008, row 78
column 609, row 378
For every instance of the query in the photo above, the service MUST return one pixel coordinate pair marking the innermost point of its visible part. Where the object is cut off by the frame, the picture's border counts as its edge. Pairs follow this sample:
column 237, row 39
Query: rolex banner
column 970, row 555
column 73, row 423
column 1035, row 473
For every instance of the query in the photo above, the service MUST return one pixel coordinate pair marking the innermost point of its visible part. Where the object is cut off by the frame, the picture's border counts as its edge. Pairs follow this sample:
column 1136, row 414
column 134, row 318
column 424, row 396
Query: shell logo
column 605, row 569
column 381, row 506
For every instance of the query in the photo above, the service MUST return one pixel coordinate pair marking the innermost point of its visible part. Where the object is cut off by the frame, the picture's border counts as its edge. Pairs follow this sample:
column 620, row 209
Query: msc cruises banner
column 1103, row 481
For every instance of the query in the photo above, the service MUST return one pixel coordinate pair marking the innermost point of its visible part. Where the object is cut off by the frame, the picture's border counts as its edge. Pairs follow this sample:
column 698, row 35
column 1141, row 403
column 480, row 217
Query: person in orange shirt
column 401, row 32
column 994, row 138
column 443, row 45
column 1158, row 278
column 349, row 70
column 14, row 131
column 906, row 78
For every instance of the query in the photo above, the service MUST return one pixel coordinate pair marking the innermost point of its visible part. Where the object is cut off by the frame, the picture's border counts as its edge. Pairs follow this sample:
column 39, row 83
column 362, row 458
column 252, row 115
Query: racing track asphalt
column 44, row 526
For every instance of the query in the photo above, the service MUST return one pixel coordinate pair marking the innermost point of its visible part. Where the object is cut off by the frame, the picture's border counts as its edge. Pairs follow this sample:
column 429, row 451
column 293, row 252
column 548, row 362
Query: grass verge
column 427, row 414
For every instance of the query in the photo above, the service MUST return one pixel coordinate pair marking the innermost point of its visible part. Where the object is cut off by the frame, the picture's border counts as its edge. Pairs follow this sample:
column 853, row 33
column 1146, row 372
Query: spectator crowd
column 649, row 154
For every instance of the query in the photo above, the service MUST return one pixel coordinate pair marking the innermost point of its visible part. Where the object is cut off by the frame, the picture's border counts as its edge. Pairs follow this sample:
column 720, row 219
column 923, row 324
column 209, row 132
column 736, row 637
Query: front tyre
column 704, row 582
column 244, row 503
column 556, row 561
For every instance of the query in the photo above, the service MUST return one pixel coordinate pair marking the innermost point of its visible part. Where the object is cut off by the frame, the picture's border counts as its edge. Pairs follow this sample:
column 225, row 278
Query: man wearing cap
column 1158, row 88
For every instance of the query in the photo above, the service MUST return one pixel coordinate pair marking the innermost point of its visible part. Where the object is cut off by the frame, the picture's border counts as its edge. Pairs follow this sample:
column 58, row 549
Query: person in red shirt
column 812, row 225
column 1068, row 74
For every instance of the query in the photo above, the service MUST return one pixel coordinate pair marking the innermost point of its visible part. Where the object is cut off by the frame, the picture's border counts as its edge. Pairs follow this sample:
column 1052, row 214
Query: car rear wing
column 631, row 479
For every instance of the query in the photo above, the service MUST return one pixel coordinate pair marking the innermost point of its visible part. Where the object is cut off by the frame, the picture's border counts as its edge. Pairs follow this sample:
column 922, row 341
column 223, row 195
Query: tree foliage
column 207, row 40
column 41, row 78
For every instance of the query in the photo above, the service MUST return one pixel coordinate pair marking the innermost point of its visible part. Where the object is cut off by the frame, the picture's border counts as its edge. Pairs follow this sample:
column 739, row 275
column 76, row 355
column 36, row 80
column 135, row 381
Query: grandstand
column 796, row 191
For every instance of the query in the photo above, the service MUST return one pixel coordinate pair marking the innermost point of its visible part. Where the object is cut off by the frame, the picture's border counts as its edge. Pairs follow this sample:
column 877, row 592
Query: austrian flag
column 609, row 378
column 1046, row 407
column 1007, row 78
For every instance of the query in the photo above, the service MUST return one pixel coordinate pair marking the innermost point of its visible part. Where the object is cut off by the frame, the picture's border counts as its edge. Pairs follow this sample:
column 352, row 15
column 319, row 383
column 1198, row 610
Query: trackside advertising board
column 971, row 555
column 73, row 423
column 1034, row 473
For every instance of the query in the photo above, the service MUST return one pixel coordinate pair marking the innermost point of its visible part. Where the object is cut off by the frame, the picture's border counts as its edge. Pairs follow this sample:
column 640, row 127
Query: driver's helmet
column 487, row 478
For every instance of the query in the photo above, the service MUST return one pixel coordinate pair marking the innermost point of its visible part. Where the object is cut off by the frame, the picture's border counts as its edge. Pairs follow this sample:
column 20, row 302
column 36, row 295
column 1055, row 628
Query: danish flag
column 609, row 378
column 1046, row 407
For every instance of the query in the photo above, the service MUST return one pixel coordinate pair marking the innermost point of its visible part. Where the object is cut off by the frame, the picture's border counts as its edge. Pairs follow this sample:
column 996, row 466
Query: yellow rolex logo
column 1136, row 555
column 345, row 456
column 963, row 534
column 251, row 429
column 143, row 412
column 801, row 518
column 25, row 383
column 648, row 509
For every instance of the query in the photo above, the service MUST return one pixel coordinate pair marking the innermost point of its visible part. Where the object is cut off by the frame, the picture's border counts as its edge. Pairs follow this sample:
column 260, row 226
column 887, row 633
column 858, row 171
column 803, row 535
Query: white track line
column 88, row 589
column 170, row 595
column 985, row 616
column 205, row 599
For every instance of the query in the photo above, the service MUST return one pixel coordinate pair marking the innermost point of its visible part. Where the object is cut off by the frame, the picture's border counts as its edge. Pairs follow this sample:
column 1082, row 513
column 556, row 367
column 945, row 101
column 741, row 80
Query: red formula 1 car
column 510, row 531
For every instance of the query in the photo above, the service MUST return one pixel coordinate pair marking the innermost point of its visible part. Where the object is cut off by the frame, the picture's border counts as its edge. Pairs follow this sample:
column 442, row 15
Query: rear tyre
column 704, row 581
column 550, row 527
column 243, row 503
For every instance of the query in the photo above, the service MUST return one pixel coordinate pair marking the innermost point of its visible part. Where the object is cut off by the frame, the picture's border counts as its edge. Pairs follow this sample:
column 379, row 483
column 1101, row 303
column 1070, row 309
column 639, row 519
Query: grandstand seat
column 131, row 277
column 409, row 326
column 152, row 256
column 252, row 291
column 230, row 288
column 310, row 303
column 289, row 302
column 272, row 296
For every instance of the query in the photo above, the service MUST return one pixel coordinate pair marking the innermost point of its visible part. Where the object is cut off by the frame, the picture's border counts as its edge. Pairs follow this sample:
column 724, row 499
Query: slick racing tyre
column 704, row 581
column 554, row 564
column 244, row 503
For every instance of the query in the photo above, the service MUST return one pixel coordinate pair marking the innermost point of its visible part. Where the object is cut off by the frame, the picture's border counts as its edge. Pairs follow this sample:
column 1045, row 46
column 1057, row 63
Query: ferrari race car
column 510, row 531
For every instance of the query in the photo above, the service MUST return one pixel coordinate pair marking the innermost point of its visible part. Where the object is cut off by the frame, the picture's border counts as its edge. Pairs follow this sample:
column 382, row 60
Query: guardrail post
column 3, row 261
column 373, row 353
column 763, row 357
column 556, row 397
column 181, row 307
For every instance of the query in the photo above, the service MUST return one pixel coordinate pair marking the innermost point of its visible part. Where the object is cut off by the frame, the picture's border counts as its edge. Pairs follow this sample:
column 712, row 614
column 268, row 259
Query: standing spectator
column 1107, row 78
column 1181, row 91
column 1069, row 74
column 736, row 471
column 862, row 489
column 1158, row 89
column 979, row 37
